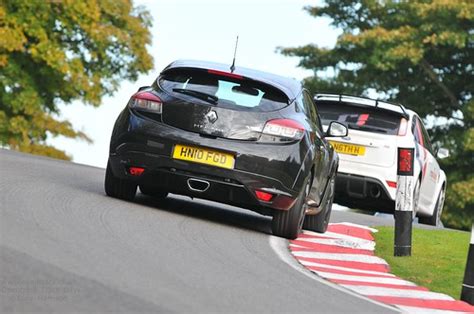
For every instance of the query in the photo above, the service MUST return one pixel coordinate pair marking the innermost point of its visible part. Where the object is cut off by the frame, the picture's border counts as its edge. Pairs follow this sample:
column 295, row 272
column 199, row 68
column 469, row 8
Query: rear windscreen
column 228, row 92
column 359, row 118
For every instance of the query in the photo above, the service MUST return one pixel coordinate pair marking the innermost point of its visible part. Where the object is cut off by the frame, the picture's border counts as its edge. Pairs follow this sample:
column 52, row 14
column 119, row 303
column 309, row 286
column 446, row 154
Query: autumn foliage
column 54, row 52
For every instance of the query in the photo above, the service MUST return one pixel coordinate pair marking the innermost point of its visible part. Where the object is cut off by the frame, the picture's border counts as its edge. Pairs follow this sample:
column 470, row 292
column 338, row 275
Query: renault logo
column 211, row 116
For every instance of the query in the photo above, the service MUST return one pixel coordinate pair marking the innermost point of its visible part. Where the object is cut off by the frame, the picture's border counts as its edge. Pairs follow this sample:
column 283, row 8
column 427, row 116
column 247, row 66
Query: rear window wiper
column 367, row 128
column 201, row 95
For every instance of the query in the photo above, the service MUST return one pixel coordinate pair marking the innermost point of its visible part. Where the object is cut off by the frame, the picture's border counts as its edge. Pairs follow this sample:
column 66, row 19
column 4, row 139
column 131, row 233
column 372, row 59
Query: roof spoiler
column 364, row 101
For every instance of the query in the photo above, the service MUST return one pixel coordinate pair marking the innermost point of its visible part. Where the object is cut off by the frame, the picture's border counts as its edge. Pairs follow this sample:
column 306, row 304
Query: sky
column 203, row 30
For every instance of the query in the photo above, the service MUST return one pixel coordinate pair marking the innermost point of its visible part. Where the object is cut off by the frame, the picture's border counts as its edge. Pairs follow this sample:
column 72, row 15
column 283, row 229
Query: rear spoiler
column 364, row 102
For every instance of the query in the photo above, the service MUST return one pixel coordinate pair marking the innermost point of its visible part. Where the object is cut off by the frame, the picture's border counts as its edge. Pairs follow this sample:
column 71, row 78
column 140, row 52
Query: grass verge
column 438, row 258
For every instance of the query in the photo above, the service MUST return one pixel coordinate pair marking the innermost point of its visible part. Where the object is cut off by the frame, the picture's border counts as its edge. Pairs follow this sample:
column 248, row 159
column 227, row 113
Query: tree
column 57, row 51
column 418, row 53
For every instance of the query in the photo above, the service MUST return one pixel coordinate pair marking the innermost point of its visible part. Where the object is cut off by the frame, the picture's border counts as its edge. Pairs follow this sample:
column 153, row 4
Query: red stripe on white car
column 345, row 255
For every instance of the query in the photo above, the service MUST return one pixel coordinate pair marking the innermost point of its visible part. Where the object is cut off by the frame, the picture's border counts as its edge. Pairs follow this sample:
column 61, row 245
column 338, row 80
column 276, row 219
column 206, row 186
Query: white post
column 404, row 202
column 404, row 194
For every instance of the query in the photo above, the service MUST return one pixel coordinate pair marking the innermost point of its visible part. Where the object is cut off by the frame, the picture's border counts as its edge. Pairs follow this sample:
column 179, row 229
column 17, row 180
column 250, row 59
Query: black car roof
column 291, row 87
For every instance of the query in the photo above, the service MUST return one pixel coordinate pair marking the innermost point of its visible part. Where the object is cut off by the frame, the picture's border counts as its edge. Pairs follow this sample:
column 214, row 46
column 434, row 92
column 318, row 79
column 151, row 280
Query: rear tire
column 435, row 220
column 152, row 191
column 118, row 188
column 320, row 221
column 289, row 224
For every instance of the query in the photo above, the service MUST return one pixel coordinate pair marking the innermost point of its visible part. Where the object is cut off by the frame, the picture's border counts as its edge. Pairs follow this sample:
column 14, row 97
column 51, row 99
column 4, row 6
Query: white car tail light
column 392, row 184
column 402, row 130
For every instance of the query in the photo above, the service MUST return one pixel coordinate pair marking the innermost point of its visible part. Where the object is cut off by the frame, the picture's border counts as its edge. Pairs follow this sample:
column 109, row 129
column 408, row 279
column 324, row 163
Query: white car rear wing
column 363, row 101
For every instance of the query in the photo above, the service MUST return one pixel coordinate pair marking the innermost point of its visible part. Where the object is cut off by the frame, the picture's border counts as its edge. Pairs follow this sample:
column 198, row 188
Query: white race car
column 367, row 175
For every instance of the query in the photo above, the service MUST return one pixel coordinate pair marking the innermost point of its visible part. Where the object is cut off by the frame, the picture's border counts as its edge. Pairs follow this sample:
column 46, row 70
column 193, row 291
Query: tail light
column 146, row 101
column 282, row 130
column 263, row 196
column 402, row 130
column 279, row 201
column 136, row 171
column 222, row 73
column 392, row 184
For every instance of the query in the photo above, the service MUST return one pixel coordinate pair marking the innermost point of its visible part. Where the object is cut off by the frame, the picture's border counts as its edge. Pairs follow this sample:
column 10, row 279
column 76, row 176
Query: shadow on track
column 210, row 211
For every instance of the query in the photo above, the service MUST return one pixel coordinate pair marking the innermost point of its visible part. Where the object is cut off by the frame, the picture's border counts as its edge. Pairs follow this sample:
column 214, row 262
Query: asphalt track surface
column 66, row 247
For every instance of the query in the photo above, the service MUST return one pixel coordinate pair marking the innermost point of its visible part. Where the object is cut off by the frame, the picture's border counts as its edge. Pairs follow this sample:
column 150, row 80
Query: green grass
column 438, row 258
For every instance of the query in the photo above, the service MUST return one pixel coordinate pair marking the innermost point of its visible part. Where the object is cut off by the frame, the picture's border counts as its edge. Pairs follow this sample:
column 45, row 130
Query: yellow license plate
column 348, row 149
column 204, row 156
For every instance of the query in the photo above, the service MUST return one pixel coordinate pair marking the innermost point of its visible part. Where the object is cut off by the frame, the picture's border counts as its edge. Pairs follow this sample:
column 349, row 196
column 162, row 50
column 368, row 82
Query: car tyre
column 289, row 223
column 320, row 221
column 152, row 191
column 435, row 219
column 118, row 188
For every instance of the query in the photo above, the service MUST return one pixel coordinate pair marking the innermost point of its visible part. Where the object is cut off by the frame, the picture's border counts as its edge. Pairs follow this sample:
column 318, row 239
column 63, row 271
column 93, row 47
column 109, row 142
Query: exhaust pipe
column 374, row 191
column 198, row 185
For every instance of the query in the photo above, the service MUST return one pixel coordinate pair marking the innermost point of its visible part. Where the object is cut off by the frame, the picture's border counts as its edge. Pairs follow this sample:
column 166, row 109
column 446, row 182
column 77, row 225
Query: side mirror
column 443, row 153
column 143, row 87
column 336, row 129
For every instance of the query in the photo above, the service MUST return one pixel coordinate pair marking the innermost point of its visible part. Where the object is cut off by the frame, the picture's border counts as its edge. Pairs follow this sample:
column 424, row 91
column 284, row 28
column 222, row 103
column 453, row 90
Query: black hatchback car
column 243, row 137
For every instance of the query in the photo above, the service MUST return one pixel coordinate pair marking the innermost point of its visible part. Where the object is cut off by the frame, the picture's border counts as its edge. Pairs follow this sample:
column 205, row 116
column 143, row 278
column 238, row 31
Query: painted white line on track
column 361, row 271
column 280, row 247
column 297, row 246
column 362, row 245
column 355, row 225
column 342, row 257
column 329, row 234
column 421, row 310
column 416, row 294
column 391, row 281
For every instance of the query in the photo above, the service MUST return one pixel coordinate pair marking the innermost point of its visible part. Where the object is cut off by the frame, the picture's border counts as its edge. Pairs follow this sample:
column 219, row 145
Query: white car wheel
column 435, row 219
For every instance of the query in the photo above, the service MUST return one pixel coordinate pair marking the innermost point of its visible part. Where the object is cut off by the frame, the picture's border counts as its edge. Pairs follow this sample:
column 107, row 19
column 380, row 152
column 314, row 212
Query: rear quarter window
column 228, row 92
column 359, row 118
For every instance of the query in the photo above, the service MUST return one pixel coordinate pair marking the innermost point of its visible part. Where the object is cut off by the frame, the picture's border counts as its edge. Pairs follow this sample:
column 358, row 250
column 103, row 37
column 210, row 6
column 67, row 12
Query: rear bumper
column 363, row 193
column 225, row 186
column 372, row 172
column 141, row 142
